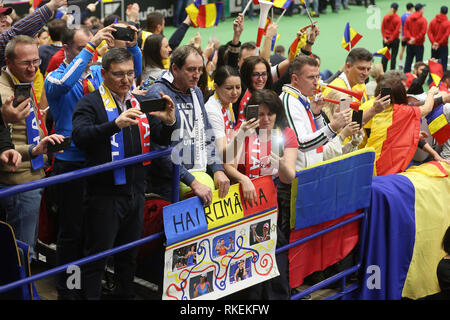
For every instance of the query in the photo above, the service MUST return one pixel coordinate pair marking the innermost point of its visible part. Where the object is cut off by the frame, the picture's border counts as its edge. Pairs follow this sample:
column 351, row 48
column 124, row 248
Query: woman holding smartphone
column 268, row 149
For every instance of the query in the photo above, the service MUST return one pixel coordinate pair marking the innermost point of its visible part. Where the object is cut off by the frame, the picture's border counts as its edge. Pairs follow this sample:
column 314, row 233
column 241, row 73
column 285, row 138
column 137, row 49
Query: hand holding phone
column 52, row 148
column 252, row 112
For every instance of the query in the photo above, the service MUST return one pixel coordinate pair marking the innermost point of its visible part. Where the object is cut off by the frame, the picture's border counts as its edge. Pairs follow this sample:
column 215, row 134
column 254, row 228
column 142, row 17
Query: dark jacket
column 91, row 133
column 5, row 137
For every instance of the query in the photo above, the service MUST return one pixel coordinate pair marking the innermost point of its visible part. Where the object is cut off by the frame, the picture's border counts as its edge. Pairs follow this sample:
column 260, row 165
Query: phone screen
column 125, row 34
column 153, row 105
column 58, row 147
column 357, row 117
column 22, row 91
column 252, row 112
column 385, row 92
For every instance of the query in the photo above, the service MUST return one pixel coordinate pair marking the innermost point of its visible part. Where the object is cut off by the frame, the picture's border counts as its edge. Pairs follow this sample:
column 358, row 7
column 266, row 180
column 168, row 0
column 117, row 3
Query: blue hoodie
column 183, row 101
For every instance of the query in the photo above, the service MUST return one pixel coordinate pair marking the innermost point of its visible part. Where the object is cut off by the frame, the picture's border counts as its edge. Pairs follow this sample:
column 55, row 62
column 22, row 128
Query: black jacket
column 91, row 133
column 5, row 137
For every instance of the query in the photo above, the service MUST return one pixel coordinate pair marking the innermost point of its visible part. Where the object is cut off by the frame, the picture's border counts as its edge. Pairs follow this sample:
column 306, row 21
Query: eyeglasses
column 33, row 63
column 121, row 74
column 256, row 75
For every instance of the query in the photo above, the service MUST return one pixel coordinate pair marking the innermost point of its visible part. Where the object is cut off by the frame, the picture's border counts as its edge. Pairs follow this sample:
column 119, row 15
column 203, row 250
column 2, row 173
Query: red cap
column 6, row 10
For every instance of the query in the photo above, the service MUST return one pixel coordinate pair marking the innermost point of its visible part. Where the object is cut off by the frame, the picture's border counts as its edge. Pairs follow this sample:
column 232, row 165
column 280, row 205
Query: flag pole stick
column 282, row 14
column 249, row 2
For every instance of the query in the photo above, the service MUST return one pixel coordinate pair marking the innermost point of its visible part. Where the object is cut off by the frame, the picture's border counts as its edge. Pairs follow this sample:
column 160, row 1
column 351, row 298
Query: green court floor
column 366, row 21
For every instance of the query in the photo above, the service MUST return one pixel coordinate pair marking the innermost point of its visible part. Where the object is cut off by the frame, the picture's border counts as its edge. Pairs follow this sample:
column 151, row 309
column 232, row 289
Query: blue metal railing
column 175, row 196
column 80, row 174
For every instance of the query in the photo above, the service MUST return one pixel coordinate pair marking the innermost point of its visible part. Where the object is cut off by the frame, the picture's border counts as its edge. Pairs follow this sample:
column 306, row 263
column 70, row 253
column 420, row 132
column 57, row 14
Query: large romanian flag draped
column 321, row 196
column 204, row 15
column 408, row 216
column 394, row 135
column 350, row 38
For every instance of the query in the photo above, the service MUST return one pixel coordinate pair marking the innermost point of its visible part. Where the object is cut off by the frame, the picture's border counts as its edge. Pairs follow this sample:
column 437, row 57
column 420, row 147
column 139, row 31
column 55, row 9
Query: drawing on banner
column 184, row 257
column 241, row 270
column 260, row 232
column 223, row 246
column 201, row 285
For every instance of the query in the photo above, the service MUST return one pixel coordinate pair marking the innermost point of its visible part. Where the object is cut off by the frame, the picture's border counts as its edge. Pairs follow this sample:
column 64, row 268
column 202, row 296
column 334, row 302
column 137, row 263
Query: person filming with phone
column 108, row 125
column 20, row 113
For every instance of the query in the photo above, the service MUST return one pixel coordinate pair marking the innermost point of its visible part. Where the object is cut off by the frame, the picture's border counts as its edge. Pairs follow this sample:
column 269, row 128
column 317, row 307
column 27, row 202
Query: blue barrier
column 175, row 197
column 83, row 173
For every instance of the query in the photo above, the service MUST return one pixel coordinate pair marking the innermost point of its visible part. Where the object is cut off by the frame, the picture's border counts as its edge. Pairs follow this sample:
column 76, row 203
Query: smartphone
column 125, row 34
column 153, row 105
column 22, row 91
column 357, row 117
column 58, row 147
column 277, row 145
column 252, row 112
column 344, row 104
column 385, row 92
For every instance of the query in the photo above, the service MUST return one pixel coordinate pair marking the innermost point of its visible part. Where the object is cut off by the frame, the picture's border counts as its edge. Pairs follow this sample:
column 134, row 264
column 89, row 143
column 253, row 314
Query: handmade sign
column 216, row 250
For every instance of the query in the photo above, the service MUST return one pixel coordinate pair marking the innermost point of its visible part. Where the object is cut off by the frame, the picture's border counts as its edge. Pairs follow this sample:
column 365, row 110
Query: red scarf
column 144, row 130
column 242, row 104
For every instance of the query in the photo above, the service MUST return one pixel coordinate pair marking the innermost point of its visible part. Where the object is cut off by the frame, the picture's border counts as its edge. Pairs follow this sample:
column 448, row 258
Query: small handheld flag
column 282, row 4
column 204, row 15
column 383, row 53
column 436, row 72
column 350, row 38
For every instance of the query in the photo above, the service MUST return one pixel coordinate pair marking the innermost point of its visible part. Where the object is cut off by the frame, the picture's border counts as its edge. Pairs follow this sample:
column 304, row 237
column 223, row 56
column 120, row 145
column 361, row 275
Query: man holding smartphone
column 193, row 141
column 108, row 125
column 28, row 136
column 64, row 87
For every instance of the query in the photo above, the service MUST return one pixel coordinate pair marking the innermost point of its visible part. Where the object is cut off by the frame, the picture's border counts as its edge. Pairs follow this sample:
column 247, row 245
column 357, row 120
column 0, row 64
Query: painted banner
column 220, row 249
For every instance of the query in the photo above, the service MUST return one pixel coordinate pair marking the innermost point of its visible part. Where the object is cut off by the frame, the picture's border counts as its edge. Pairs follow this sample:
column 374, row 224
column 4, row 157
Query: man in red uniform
column 415, row 29
column 438, row 32
column 390, row 29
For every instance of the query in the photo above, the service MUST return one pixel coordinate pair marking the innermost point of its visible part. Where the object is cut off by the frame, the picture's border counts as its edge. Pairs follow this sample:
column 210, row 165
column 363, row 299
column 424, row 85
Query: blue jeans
column 21, row 211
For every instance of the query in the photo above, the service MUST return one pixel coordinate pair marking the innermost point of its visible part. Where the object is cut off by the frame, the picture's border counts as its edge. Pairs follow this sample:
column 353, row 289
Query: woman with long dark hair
column 156, row 50
column 270, row 149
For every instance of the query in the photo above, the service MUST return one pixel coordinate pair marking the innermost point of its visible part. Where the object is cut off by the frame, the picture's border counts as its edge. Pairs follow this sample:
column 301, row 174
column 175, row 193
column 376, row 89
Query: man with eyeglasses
column 193, row 141
column 64, row 87
column 108, row 126
column 29, row 138
column 29, row 25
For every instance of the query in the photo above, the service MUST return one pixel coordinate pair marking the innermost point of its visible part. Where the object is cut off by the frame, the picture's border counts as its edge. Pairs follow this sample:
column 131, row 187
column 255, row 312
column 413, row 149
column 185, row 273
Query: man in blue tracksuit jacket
column 193, row 139
column 64, row 87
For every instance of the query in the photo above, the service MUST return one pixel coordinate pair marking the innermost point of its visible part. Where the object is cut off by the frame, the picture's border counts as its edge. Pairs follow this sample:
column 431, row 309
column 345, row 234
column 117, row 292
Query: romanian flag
column 436, row 72
column 274, row 41
column 204, row 15
column 296, row 45
column 282, row 4
column 394, row 134
column 408, row 217
column 350, row 38
column 383, row 53
column 438, row 124
column 321, row 196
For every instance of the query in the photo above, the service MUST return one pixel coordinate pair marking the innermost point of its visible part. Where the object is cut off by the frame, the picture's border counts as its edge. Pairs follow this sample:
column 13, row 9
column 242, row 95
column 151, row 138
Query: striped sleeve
column 30, row 26
column 299, row 122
